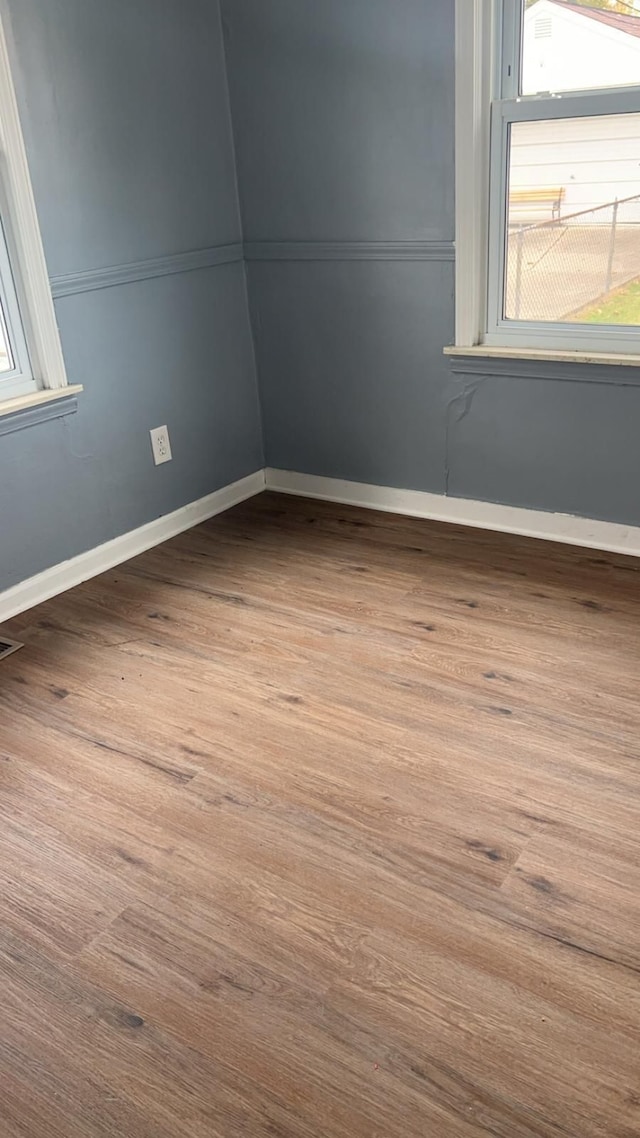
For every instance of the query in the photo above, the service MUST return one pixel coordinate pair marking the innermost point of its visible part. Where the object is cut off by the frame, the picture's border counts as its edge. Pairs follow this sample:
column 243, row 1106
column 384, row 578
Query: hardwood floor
column 322, row 823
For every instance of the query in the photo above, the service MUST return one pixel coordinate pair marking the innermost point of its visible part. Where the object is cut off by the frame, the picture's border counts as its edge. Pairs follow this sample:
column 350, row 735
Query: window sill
column 40, row 407
column 571, row 356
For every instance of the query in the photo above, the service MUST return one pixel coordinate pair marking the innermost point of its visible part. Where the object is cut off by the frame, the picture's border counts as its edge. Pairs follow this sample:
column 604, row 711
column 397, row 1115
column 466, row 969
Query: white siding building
column 594, row 161
column 568, row 48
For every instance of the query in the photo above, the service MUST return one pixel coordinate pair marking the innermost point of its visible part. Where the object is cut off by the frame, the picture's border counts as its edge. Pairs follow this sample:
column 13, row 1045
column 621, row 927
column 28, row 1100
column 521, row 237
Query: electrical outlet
column 160, row 445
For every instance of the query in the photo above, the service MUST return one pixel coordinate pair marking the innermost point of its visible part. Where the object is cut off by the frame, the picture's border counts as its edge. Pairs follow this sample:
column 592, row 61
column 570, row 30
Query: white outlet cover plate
column 161, row 445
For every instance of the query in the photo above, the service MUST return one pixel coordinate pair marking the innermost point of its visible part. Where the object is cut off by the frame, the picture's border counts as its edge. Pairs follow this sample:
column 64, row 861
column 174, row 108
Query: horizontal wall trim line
column 539, row 369
column 91, row 280
column 43, row 413
column 349, row 251
column 568, row 529
column 70, row 573
column 114, row 275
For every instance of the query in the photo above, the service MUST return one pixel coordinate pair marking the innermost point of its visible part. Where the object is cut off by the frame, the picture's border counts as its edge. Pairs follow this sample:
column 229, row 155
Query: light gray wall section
column 125, row 109
column 126, row 119
column 343, row 115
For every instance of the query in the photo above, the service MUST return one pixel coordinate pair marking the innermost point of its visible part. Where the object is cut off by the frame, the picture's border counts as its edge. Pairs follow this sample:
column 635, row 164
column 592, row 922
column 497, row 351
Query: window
column 16, row 375
column 548, row 180
column 31, row 361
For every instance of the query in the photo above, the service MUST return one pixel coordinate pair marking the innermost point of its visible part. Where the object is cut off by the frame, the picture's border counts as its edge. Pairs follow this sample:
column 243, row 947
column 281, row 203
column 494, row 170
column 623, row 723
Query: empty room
column 320, row 568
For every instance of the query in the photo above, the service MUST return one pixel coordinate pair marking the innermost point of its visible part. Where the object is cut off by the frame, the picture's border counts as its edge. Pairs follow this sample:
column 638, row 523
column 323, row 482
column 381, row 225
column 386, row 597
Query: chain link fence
column 561, row 269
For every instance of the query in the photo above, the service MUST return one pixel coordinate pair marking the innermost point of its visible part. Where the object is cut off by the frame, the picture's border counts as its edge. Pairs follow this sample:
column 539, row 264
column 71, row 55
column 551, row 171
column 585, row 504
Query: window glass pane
column 573, row 221
column 6, row 358
column 577, row 46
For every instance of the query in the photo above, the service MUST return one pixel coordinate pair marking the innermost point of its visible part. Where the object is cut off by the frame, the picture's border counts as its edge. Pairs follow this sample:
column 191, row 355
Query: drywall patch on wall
column 457, row 405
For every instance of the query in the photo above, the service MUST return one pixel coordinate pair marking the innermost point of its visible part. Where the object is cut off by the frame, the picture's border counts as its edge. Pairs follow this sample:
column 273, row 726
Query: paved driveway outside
column 565, row 267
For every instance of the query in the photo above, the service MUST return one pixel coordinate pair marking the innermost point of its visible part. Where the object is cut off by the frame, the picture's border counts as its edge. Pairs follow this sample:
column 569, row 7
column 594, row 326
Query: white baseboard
column 65, row 576
column 589, row 533
column 566, row 528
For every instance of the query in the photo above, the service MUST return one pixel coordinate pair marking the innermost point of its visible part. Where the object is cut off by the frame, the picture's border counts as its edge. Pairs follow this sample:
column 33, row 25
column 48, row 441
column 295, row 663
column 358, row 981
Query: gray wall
column 126, row 118
column 343, row 116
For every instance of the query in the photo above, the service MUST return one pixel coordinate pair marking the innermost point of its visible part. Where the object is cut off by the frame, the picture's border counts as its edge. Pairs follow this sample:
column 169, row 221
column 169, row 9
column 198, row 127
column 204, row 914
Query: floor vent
column 8, row 646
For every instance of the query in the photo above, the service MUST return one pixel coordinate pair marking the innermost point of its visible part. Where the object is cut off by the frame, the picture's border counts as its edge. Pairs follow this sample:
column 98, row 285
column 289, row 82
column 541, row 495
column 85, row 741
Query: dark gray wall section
column 343, row 115
column 343, row 111
column 351, row 369
column 126, row 119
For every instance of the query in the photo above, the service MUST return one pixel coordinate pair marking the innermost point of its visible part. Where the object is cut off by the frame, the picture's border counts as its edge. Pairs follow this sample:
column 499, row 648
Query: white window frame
column 40, row 372
column 488, row 36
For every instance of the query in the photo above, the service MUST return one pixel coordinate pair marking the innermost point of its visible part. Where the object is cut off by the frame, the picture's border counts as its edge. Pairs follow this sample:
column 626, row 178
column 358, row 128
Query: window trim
column 482, row 68
column 18, row 379
column 473, row 63
column 538, row 333
column 25, row 247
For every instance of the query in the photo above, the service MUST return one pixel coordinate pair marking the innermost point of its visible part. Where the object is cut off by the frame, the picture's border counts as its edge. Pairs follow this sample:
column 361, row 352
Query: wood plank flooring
column 322, row 823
